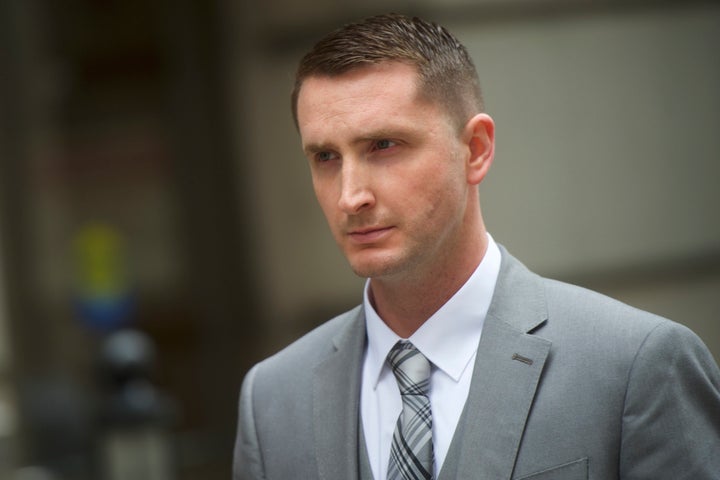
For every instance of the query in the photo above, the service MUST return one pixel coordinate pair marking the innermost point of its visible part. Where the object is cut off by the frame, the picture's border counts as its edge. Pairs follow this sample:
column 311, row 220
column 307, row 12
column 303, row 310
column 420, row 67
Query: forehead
column 379, row 93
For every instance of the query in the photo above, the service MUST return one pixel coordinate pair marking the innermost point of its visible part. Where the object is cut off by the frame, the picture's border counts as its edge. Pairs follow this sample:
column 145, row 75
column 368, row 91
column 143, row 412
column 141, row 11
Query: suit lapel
column 507, row 370
column 336, row 394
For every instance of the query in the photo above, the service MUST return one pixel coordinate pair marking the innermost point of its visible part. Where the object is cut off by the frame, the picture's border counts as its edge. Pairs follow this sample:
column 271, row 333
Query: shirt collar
column 449, row 338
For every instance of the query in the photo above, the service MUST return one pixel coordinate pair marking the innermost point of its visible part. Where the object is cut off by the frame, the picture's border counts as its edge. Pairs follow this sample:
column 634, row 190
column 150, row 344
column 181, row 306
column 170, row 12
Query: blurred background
column 159, row 235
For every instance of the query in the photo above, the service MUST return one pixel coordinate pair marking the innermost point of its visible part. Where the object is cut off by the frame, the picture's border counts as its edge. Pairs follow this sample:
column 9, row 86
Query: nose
column 356, row 193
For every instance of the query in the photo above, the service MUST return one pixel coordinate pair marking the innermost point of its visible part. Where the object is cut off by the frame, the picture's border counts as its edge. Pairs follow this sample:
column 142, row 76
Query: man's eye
column 324, row 156
column 384, row 144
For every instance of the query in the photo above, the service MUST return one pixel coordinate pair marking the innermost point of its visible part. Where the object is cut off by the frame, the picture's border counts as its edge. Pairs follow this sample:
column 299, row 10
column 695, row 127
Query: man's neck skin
column 404, row 304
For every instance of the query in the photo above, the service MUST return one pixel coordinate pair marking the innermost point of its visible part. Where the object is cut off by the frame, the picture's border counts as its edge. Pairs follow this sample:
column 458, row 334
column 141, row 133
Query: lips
column 369, row 235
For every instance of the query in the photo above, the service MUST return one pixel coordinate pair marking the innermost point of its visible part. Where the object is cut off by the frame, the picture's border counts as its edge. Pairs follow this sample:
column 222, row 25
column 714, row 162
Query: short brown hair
column 446, row 72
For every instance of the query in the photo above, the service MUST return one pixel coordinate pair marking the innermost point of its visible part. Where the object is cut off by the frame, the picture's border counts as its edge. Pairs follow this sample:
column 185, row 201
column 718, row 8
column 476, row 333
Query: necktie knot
column 411, row 369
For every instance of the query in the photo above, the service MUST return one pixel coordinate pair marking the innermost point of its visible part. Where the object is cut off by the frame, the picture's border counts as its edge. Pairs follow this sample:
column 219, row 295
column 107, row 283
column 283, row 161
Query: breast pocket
column 577, row 470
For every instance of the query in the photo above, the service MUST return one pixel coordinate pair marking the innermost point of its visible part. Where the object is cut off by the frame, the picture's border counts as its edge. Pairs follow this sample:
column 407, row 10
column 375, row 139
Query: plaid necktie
column 411, row 453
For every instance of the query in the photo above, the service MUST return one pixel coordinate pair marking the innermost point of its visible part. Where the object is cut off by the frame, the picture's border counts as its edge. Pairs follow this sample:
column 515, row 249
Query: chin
column 376, row 266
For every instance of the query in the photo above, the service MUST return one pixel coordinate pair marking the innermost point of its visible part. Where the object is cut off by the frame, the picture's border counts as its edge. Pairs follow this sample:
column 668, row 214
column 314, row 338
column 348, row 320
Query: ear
column 479, row 134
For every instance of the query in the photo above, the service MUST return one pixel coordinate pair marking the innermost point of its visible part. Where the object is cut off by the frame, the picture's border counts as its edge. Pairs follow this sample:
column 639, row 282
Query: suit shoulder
column 313, row 345
column 590, row 308
column 578, row 316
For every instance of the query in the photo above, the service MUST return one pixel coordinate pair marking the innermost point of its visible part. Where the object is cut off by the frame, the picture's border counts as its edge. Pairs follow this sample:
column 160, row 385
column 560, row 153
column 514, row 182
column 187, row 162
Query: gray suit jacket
column 568, row 384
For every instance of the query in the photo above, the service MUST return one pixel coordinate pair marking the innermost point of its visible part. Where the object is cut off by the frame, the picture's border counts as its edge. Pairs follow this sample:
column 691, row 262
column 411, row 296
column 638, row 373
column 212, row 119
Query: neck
column 404, row 304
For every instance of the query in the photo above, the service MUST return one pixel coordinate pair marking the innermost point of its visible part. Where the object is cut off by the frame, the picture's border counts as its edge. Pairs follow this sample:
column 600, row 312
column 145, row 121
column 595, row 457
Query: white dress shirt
column 449, row 339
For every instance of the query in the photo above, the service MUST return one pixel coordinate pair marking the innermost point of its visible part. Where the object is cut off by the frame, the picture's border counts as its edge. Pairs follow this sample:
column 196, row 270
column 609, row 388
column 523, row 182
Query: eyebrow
column 379, row 134
column 314, row 148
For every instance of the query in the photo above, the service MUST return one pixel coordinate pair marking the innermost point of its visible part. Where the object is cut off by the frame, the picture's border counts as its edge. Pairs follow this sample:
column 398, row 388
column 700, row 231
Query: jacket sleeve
column 671, row 418
column 247, row 461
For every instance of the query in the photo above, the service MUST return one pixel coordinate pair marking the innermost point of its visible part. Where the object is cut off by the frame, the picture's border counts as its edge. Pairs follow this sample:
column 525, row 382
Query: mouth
column 369, row 234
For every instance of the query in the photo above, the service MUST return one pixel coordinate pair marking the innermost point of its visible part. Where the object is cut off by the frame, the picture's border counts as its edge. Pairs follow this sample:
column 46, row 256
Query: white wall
column 607, row 136
column 608, row 151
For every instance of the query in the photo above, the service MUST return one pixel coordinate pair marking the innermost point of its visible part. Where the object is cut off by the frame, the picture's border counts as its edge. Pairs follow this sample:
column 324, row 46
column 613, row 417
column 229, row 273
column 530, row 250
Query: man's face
column 388, row 169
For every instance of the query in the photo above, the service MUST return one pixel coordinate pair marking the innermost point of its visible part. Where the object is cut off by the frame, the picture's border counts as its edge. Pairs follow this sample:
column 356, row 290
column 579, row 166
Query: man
column 513, row 375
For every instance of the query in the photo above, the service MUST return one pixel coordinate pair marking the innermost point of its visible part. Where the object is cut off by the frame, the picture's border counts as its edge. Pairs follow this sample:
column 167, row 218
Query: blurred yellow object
column 100, row 256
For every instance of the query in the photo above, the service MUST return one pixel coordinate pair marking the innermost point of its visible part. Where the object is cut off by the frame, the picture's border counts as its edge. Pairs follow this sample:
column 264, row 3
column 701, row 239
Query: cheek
column 323, row 193
column 332, row 213
column 326, row 205
column 445, row 193
column 441, row 181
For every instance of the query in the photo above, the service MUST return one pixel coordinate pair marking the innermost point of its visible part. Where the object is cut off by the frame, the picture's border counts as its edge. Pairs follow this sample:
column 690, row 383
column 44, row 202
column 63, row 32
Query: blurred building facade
column 151, row 179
